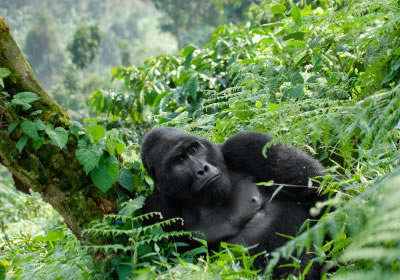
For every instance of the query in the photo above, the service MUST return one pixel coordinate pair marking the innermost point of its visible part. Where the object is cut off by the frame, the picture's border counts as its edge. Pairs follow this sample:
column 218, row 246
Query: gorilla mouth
column 210, row 181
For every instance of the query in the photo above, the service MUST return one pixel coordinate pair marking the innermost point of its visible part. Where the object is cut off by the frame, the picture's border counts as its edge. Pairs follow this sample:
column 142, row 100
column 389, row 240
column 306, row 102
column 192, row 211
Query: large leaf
column 106, row 174
column 24, row 99
column 89, row 157
column 4, row 72
column 278, row 9
column 296, row 92
column 21, row 143
column 126, row 179
column 58, row 136
column 296, row 15
column 29, row 128
column 12, row 127
column 96, row 131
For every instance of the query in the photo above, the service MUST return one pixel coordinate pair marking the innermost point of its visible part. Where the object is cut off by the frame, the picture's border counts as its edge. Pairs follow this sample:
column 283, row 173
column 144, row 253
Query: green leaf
column 54, row 235
column 294, row 35
column 258, row 104
column 126, row 179
column 278, row 9
column 96, row 131
column 120, row 147
column 29, row 128
column 296, row 15
column 21, row 143
column 89, row 157
column 3, row 270
column 192, row 86
column 11, row 127
column 188, row 54
column 24, row 99
column 58, row 136
column 106, row 174
column 4, row 73
column 40, row 125
column 38, row 143
column 132, row 205
column 296, row 92
column 75, row 127
column 393, row 73
column 37, row 112
column 276, row 192
column 272, row 107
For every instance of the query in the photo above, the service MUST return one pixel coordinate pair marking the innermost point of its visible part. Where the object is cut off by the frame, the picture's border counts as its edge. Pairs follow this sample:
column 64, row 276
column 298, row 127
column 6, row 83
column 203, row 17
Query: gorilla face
column 184, row 166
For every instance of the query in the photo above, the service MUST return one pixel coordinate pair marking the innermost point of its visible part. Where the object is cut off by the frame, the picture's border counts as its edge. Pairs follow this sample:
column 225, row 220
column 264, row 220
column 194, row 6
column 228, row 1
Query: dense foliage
column 320, row 76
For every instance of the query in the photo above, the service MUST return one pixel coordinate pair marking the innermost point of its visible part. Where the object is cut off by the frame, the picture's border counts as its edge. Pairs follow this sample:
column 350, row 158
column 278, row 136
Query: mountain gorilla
column 213, row 188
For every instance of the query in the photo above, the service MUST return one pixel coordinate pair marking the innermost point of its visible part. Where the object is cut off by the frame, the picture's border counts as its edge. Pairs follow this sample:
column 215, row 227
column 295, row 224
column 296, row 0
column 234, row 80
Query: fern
column 124, row 232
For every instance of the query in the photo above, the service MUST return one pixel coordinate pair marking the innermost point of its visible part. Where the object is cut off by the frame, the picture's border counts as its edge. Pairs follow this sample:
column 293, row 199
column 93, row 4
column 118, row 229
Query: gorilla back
column 213, row 188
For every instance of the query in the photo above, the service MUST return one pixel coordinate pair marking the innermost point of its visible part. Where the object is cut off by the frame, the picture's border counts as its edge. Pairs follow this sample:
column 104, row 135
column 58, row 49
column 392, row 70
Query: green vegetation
column 322, row 76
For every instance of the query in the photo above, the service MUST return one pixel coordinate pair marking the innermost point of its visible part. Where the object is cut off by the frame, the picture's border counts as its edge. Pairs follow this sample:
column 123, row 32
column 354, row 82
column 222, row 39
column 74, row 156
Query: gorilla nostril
column 206, row 168
column 200, row 172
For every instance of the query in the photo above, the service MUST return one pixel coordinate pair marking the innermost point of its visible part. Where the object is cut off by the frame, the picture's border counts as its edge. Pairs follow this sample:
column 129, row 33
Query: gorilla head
column 184, row 166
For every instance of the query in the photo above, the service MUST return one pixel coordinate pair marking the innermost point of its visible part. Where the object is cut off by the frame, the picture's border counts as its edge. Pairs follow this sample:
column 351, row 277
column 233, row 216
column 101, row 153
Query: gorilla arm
column 158, row 202
column 283, row 164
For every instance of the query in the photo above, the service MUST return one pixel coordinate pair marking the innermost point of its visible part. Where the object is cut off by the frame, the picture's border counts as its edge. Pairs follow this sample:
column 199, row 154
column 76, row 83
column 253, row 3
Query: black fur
column 213, row 188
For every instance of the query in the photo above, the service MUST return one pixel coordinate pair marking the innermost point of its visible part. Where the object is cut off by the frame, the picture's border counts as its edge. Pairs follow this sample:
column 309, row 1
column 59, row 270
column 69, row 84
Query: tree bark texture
column 56, row 174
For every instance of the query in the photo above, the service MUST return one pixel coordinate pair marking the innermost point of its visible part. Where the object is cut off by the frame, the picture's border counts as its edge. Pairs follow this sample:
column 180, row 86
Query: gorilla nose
column 203, row 171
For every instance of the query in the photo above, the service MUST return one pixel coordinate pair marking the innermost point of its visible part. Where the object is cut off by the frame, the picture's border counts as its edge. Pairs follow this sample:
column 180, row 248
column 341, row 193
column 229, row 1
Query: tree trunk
column 56, row 174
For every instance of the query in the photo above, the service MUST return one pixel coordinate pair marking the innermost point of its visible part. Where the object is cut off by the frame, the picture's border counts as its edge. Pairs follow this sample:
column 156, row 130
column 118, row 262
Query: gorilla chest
column 242, row 218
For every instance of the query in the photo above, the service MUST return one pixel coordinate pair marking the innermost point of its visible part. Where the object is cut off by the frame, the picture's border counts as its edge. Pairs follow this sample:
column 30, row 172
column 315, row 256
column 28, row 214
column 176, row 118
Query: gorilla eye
column 193, row 148
column 180, row 158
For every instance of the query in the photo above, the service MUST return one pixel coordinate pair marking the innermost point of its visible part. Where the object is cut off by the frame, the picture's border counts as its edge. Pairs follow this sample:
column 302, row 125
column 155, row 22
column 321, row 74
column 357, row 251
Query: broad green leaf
column 29, row 128
column 40, row 125
column 24, row 99
column 106, row 174
column 89, row 157
column 110, row 147
column 96, row 131
column 272, row 107
column 126, row 179
column 132, row 205
column 296, row 92
column 258, row 104
column 58, row 136
column 21, row 143
column 120, row 147
column 296, row 15
column 278, row 9
column 75, row 127
column 54, row 235
column 4, row 73
column 11, row 127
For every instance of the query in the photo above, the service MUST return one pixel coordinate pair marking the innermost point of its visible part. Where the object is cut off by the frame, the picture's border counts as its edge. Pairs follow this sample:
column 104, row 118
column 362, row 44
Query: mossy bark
column 53, row 172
